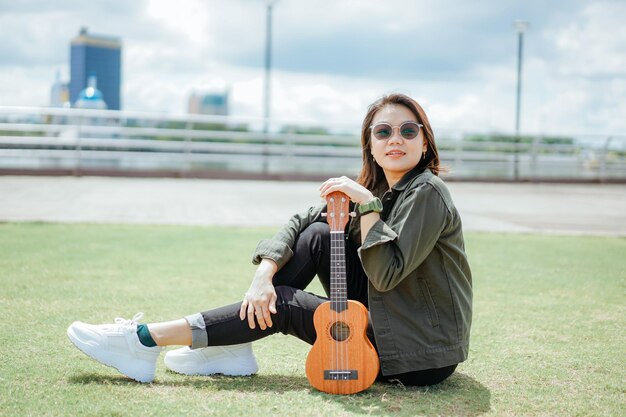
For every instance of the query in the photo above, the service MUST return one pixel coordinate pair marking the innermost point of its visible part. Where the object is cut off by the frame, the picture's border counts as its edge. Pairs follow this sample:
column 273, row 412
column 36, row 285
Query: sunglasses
column 408, row 130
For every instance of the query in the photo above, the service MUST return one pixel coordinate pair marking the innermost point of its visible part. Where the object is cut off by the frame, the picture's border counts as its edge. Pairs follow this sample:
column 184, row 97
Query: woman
column 405, row 261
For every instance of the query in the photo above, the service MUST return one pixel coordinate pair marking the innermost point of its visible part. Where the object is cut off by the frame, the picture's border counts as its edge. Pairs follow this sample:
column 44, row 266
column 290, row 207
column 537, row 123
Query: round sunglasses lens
column 382, row 131
column 409, row 130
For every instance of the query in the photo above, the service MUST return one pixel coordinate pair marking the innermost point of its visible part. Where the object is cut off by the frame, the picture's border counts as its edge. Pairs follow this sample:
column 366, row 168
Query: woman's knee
column 296, row 309
column 318, row 228
column 316, row 231
column 290, row 297
column 316, row 235
column 284, row 294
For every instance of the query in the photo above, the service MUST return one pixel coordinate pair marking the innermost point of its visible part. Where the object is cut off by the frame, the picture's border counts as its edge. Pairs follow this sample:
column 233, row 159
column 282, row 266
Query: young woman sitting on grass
column 405, row 261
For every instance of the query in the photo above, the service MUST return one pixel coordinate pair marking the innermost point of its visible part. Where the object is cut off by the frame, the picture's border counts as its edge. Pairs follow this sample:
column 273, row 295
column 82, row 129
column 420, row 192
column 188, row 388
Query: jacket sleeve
column 279, row 247
column 392, row 250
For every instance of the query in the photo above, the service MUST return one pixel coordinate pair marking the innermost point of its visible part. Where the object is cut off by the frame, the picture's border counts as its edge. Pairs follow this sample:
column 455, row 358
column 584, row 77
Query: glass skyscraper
column 97, row 56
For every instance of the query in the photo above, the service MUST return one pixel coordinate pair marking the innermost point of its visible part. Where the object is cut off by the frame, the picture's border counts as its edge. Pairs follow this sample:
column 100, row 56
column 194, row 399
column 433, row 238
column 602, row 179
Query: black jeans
column 295, row 307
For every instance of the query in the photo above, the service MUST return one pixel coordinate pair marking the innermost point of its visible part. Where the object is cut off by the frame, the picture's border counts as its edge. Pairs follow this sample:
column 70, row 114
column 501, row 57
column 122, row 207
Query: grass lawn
column 548, row 336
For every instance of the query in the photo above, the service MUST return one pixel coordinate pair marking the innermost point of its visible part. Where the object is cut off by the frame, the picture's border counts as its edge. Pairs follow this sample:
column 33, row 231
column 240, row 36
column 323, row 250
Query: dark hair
column 372, row 176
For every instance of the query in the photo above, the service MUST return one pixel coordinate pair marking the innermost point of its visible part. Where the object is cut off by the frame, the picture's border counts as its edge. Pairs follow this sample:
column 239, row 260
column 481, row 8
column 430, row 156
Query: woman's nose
column 395, row 136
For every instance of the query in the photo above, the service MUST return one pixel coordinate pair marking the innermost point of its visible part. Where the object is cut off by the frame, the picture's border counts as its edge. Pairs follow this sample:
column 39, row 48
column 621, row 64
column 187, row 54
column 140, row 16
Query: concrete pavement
column 596, row 209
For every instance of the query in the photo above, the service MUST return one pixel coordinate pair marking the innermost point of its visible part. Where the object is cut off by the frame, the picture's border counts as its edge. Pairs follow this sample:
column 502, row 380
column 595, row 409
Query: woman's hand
column 351, row 188
column 260, row 299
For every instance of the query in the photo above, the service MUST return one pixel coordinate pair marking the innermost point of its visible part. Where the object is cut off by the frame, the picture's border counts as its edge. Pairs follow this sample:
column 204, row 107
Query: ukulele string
column 342, row 292
column 337, row 307
column 340, row 295
column 341, row 314
column 333, row 306
column 344, row 298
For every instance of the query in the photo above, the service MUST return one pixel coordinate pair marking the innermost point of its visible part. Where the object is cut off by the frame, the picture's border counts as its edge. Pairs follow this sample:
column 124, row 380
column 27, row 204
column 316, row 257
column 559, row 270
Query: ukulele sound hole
column 340, row 331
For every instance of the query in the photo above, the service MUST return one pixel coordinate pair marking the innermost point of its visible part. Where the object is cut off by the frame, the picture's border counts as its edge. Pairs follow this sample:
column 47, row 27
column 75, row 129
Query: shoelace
column 132, row 322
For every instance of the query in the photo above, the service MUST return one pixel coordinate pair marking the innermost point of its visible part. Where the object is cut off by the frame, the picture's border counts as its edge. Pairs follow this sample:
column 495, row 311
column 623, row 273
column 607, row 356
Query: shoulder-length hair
column 372, row 176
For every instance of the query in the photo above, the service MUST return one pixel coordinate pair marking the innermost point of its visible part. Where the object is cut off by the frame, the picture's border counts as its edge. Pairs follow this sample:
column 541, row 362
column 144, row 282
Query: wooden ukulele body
column 342, row 359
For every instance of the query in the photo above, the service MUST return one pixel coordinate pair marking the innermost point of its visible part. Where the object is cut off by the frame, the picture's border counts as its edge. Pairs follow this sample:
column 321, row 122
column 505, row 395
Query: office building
column 208, row 103
column 98, row 56
column 91, row 97
column 59, row 93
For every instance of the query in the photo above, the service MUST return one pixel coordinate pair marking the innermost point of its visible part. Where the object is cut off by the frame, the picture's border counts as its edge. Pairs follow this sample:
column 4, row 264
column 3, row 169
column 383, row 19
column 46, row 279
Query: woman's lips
column 395, row 154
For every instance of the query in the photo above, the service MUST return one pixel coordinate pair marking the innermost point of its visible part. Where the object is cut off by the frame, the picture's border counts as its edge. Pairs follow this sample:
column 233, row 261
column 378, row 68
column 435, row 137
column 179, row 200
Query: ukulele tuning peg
column 324, row 214
column 352, row 214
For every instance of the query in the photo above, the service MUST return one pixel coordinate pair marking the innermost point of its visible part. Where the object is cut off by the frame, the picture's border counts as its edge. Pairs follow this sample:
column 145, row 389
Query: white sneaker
column 117, row 345
column 237, row 360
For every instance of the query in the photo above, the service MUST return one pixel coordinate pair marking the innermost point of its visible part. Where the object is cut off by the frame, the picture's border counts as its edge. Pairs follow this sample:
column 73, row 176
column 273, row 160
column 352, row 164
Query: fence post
column 534, row 151
column 289, row 153
column 186, row 166
column 79, row 135
column 458, row 152
column 605, row 151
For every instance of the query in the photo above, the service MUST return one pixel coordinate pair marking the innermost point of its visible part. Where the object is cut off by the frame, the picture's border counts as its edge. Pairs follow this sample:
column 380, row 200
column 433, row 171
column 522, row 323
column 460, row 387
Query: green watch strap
column 374, row 205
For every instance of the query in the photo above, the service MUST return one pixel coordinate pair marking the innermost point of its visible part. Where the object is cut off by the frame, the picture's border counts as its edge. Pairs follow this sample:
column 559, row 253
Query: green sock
column 144, row 336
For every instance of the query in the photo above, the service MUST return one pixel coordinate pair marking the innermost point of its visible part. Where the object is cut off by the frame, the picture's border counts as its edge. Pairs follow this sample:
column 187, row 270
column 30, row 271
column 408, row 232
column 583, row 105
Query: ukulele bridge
column 341, row 375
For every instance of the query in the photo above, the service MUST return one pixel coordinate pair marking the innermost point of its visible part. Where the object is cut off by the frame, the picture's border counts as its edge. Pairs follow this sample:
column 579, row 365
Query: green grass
column 548, row 334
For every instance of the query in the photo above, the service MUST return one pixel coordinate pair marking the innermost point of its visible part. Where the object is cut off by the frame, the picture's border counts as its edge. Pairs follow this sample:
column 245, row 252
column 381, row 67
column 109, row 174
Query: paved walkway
column 526, row 208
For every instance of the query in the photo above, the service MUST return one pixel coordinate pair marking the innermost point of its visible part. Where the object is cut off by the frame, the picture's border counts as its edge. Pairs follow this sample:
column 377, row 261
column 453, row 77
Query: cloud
column 403, row 38
column 187, row 25
column 42, row 43
column 332, row 58
column 28, row 86
column 594, row 45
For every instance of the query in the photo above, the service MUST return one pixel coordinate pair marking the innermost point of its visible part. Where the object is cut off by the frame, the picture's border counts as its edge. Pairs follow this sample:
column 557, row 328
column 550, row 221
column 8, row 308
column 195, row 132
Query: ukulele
column 342, row 359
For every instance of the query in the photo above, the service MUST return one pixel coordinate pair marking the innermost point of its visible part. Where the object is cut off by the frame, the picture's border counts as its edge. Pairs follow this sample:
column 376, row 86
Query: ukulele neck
column 338, row 286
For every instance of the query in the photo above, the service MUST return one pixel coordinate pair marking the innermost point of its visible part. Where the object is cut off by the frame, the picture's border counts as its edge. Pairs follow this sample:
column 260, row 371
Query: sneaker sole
column 109, row 360
column 212, row 370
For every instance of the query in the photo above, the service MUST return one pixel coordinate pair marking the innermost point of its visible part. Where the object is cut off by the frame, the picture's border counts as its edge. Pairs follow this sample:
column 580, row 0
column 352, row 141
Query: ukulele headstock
column 338, row 211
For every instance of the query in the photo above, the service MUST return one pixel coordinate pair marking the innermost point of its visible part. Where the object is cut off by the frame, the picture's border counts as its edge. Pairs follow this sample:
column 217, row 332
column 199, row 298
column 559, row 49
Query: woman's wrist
column 269, row 265
column 367, row 198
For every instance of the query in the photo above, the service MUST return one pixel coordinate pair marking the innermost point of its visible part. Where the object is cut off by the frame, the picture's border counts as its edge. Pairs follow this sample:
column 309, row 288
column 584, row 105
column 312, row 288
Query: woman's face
column 396, row 155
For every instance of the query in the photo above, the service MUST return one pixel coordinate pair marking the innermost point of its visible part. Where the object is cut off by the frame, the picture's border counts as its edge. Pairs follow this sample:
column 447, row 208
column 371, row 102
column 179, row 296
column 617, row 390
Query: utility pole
column 520, row 27
column 267, row 89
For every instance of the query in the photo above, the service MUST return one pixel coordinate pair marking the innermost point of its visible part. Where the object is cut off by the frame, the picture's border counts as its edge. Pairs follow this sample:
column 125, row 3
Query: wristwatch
column 374, row 205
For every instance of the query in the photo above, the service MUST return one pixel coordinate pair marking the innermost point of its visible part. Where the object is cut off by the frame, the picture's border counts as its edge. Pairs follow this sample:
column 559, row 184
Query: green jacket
column 420, row 283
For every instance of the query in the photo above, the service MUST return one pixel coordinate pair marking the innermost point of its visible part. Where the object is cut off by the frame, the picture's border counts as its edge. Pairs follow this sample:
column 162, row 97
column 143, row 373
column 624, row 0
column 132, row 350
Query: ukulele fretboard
column 338, row 286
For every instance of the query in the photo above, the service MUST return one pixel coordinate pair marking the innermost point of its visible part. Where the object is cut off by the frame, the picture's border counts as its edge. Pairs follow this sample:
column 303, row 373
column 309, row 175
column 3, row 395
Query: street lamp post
column 267, row 90
column 520, row 27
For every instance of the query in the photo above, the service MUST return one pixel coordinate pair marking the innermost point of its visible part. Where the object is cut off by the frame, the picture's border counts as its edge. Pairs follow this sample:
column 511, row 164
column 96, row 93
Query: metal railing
column 79, row 142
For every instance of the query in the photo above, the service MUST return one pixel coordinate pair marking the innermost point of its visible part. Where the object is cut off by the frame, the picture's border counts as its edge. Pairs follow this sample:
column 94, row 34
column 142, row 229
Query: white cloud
column 188, row 23
column 462, row 66
column 28, row 86
column 45, row 41
column 594, row 44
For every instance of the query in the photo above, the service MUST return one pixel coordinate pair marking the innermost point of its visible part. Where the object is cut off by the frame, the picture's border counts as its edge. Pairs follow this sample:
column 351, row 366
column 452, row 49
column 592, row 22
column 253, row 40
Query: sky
column 332, row 58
